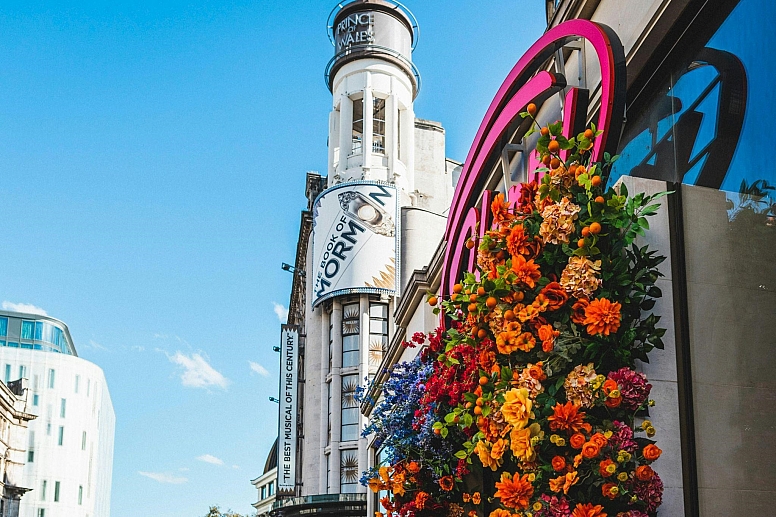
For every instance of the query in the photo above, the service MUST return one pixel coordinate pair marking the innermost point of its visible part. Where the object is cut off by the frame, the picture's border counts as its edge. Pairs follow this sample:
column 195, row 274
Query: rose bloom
column 499, row 446
column 520, row 440
column 446, row 483
column 590, row 450
column 651, row 452
column 567, row 417
column 514, row 492
column 556, row 296
column 602, row 317
column 644, row 473
column 577, row 440
column 613, row 402
column 599, row 439
column 578, row 311
column 607, row 467
column 610, row 490
column 483, row 451
column 547, row 335
column 588, row 510
column 517, row 407
column 558, row 463
column 564, row 483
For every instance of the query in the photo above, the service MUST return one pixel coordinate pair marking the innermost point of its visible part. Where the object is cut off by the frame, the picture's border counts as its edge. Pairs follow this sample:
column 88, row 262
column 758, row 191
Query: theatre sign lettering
column 528, row 83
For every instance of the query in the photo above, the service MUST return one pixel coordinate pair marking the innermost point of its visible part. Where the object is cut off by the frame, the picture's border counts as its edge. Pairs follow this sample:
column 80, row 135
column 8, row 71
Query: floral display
column 528, row 403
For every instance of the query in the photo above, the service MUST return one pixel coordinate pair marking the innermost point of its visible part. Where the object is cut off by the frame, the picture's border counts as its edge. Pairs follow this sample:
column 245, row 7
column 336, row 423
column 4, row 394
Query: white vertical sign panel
column 287, row 433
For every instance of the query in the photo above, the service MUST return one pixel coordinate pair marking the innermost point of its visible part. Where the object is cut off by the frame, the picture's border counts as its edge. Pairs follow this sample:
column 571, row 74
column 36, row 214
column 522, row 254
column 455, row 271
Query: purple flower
column 633, row 386
column 622, row 438
column 650, row 492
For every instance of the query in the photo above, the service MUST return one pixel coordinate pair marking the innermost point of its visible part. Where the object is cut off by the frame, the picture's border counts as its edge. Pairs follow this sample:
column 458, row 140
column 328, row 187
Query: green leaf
column 556, row 129
column 461, row 454
column 444, row 432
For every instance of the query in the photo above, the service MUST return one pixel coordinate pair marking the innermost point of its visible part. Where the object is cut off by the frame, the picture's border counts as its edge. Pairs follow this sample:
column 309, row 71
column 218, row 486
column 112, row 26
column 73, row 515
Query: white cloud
column 281, row 312
column 95, row 344
column 236, row 467
column 197, row 372
column 163, row 477
column 23, row 307
column 209, row 458
column 256, row 367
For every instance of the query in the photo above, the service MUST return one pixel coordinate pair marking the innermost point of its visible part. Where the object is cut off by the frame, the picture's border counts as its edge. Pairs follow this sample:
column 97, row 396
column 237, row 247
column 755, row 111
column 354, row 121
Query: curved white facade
column 70, row 443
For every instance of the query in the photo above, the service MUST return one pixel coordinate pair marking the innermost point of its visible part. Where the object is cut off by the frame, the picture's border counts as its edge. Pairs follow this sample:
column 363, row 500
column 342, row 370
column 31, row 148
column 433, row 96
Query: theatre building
column 684, row 92
column 376, row 217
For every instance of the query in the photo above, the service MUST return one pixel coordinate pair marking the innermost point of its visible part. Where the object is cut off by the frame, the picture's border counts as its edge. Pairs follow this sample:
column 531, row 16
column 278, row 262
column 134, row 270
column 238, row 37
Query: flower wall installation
column 527, row 404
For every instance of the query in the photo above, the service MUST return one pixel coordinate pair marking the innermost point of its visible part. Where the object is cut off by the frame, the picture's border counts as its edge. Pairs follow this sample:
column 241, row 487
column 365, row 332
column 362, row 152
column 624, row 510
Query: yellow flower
column 611, row 468
column 561, row 442
column 651, row 432
column 531, row 477
column 521, row 444
column 517, row 407
column 645, row 424
column 483, row 450
column 537, row 506
column 622, row 477
column 608, row 434
column 554, row 438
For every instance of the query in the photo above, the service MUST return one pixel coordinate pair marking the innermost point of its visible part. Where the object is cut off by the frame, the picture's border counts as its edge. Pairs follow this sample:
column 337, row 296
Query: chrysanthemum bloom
column 517, row 241
column 526, row 271
column 651, row 452
column 558, row 221
column 564, row 483
column 567, row 417
column 500, row 512
column 602, row 317
column 527, row 193
column 514, row 492
column 588, row 510
column 580, row 277
column 556, row 296
column 446, row 483
column 633, row 385
column 500, row 209
column 517, row 407
column 578, row 385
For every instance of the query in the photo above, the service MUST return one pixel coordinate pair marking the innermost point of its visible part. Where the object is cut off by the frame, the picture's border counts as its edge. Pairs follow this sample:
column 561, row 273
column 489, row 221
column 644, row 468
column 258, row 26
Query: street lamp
column 273, row 399
column 291, row 269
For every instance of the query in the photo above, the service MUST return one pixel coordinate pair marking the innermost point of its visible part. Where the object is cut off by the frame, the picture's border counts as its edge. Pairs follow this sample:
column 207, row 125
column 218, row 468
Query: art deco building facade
column 69, row 449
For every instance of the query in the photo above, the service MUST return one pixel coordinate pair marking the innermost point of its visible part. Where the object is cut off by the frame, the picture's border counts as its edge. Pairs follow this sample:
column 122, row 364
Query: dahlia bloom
column 602, row 317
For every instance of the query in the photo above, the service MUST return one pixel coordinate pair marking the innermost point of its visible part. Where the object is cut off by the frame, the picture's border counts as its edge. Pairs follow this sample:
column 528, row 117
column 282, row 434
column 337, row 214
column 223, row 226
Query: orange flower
column 420, row 499
column 567, row 417
column 602, row 317
column 500, row 209
column 514, row 492
column 483, row 450
column 599, row 439
column 517, row 407
column 609, row 386
column 578, row 311
column 527, row 272
column 644, row 473
column 499, row 447
column 652, row 452
column 588, row 510
column 577, row 440
column 466, row 497
column 590, row 450
column 397, row 484
column 610, row 490
column 517, row 241
column 558, row 463
column 555, row 294
column 413, row 467
column 500, row 512
column 472, row 513
column 536, row 371
column 378, row 514
column 446, row 483
column 613, row 402
column 564, row 482
column 387, row 505
column 607, row 467
column 547, row 336
column 525, row 342
column 476, row 498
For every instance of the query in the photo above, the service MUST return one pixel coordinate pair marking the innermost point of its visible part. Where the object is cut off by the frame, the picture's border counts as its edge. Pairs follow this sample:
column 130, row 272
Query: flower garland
column 527, row 404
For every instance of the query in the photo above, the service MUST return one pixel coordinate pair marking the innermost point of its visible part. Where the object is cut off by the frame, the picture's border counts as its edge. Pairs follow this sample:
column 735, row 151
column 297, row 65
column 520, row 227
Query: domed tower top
column 382, row 29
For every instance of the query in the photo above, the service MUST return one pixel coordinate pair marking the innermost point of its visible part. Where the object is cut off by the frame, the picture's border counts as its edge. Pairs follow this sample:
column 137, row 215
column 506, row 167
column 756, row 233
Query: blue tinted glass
column 48, row 332
column 37, row 347
column 38, row 330
column 28, row 328
column 3, row 326
column 12, row 344
column 27, row 345
column 2, row 343
column 706, row 125
column 58, row 337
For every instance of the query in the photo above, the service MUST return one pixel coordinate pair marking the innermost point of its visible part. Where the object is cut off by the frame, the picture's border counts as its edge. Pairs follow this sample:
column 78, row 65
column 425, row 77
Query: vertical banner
column 355, row 240
column 287, row 434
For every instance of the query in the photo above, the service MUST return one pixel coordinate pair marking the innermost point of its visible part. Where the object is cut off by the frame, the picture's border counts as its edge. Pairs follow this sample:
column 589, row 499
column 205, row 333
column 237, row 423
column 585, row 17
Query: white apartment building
column 69, row 457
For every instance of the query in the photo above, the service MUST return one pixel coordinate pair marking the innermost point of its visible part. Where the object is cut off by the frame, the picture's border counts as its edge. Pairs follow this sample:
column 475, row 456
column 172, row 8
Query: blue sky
column 152, row 164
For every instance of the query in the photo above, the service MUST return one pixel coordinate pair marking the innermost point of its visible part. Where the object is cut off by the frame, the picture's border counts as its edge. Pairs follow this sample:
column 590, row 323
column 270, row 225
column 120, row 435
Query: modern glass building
column 69, row 457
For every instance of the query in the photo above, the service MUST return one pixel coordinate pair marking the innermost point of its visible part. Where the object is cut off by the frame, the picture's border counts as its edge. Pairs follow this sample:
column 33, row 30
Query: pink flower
column 622, row 438
column 650, row 492
column 633, row 387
